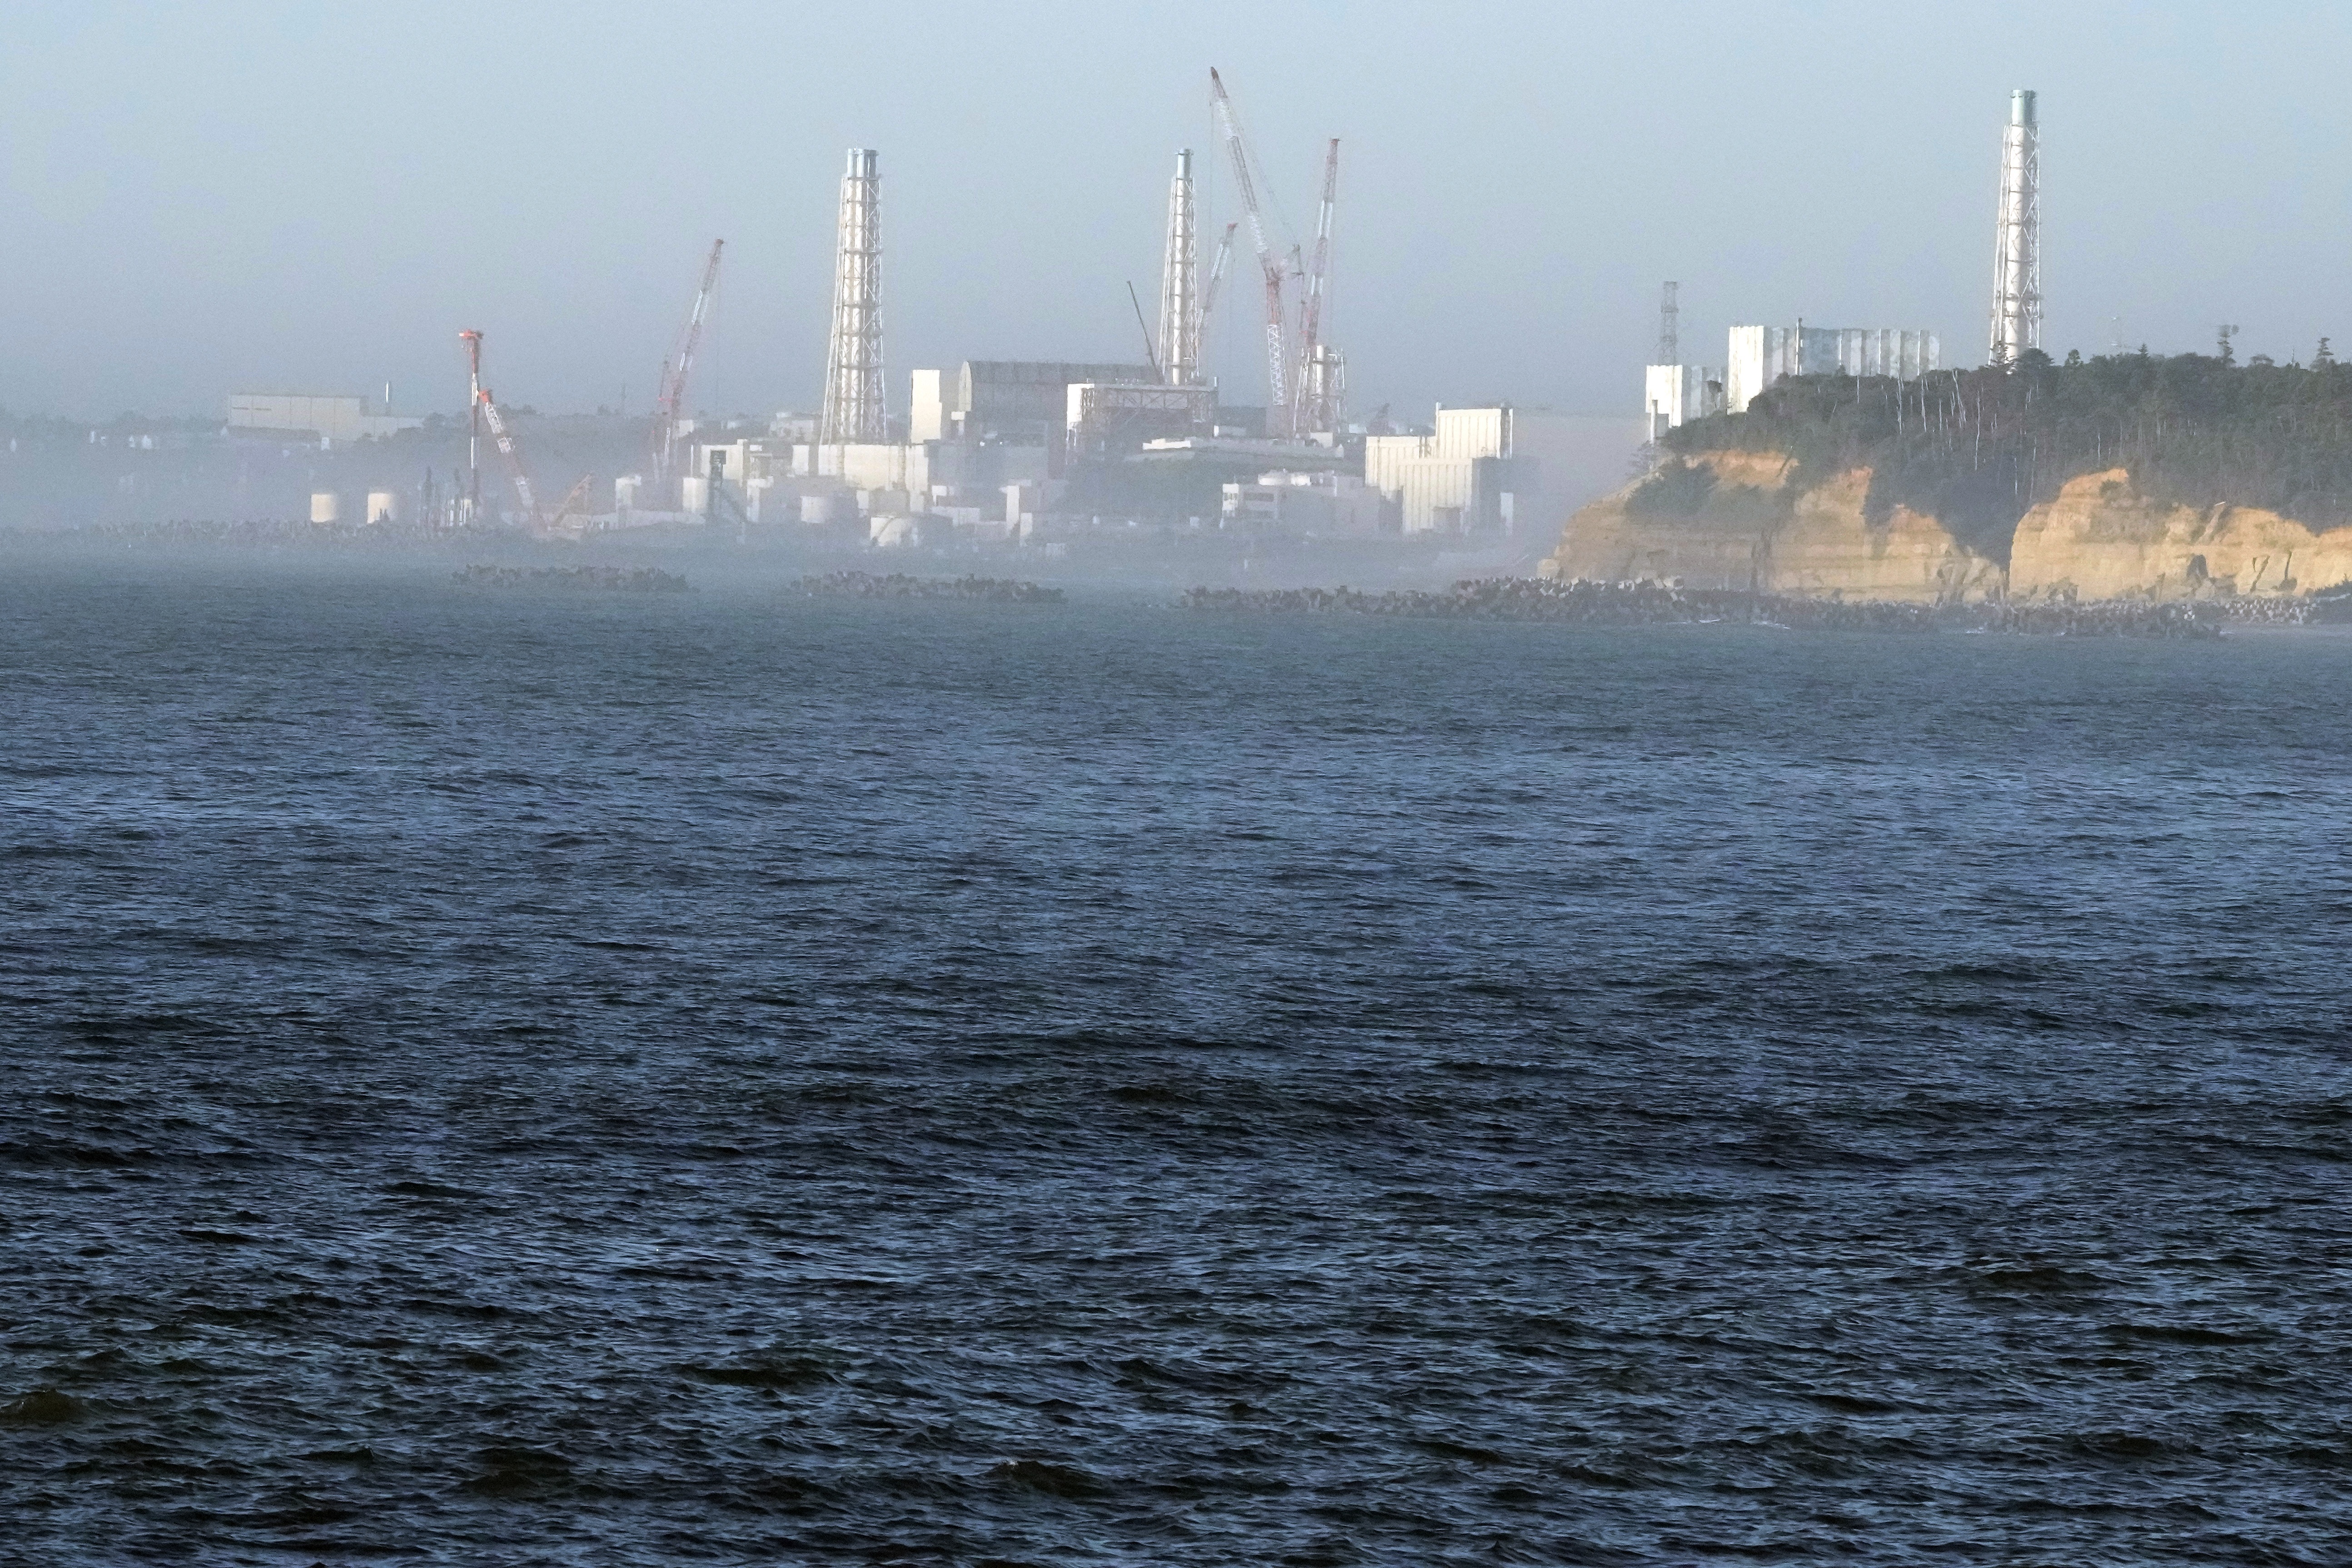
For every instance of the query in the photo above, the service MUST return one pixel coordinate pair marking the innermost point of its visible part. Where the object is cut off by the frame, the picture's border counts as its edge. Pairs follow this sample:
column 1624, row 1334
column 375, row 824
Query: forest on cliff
column 1977, row 448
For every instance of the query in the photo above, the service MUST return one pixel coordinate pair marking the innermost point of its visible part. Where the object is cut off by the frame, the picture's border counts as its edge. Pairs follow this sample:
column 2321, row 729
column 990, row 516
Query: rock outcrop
column 1740, row 519
column 1736, row 520
column 2101, row 538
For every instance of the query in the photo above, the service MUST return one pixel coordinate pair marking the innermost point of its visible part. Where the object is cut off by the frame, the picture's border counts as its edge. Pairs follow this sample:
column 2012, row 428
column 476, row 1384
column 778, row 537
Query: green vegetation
column 1977, row 448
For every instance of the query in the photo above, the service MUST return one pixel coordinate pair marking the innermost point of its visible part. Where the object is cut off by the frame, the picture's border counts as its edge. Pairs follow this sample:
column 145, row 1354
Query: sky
column 250, row 196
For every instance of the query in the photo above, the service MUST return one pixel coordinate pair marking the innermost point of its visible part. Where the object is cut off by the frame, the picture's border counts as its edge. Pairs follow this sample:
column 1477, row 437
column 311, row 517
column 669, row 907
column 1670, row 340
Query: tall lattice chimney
column 2017, row 253
column 1180, row 290
column 854, row 410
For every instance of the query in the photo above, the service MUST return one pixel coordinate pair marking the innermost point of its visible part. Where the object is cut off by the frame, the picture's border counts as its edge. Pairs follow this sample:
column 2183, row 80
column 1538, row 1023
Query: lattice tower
column 2017, row 252
column 1180, row 282
column 854, row 410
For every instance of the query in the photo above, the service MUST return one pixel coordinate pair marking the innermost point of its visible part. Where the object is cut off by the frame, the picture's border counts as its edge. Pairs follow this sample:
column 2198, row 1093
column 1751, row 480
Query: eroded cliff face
column 2101, row 538
column 1750, row 529
column 1739, row 521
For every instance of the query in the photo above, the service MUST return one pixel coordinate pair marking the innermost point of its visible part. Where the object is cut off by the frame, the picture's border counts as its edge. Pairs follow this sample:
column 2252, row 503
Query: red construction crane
column 670, row 400
column 1315, row 398
column 1277, row 359
column 487, row 411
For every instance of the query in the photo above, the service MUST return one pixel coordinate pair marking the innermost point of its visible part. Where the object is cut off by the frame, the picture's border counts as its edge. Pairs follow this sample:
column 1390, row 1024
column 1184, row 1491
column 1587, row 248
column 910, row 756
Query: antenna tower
column 1670, row 335
column 1180, row 290
column 2017, row 249
column 854, row 408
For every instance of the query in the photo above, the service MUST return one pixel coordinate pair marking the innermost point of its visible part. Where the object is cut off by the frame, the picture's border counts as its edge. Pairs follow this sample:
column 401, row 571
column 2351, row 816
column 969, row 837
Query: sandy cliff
column 1738, row 520
column 2101, row 538
column 1735, row 520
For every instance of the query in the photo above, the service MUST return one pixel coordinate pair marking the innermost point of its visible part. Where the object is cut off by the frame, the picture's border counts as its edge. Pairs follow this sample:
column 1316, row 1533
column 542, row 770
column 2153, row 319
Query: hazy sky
column 202, row 198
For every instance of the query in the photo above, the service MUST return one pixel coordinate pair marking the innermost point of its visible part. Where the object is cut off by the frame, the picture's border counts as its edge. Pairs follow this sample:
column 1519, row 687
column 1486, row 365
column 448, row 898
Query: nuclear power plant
column 996, row 449
column 1756, row 356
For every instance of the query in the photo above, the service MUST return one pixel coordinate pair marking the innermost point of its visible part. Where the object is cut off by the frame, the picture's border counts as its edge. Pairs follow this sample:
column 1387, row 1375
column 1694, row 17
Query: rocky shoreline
column 1651, row 603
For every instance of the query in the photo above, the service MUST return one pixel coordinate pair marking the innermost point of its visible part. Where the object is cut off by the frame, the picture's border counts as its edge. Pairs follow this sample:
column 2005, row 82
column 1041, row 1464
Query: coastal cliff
column 2123, row 477
column 1738, row 520
column 1742, row 520
column 2101, row 539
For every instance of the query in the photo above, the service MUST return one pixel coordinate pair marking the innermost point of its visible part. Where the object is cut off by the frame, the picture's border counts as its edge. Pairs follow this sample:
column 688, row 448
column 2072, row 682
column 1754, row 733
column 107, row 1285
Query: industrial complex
column 1756, row 355
column 1013, row 452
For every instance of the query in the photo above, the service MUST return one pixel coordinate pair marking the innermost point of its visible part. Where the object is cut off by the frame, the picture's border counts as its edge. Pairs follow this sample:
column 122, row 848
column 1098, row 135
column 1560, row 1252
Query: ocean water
column 506, row 1078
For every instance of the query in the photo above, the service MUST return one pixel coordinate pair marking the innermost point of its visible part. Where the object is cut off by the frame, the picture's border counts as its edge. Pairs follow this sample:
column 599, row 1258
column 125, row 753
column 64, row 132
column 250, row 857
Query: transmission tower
column 1179, row 291
column 854, row 408
column 2017, row 249
column 1670, row 336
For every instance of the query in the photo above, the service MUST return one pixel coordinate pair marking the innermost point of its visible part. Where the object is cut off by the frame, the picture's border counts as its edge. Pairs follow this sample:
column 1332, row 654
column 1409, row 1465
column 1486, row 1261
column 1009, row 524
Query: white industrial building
column 1459, row 479
column 327, row 416
column 1498, row 469
column 1758, row 356
column 1007, row 400
column 1674, row 394
column 1320, row 505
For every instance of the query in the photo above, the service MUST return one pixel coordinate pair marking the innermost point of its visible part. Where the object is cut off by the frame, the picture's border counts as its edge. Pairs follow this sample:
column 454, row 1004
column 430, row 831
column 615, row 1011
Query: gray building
column 329, row 416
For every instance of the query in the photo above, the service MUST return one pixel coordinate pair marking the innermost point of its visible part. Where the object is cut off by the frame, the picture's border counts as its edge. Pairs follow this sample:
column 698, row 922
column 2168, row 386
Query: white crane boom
column 1217, row 270
column 1277, row 356
column 668, row 402
column 1312, row 396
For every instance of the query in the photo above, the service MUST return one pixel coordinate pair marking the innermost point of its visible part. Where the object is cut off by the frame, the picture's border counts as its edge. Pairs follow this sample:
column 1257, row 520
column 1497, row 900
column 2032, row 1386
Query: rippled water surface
column 508, row 1078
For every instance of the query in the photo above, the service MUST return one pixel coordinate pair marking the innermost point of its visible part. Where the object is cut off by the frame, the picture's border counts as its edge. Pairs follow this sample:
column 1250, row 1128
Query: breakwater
column 901, row 585
column 576, row 579
column 1651, row 603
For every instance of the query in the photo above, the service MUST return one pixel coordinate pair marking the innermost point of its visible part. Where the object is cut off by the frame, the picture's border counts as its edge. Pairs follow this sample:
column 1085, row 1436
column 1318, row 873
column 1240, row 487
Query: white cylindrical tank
column 326, row 507
column 383, row 506
column 694, row 495
column 625, row 492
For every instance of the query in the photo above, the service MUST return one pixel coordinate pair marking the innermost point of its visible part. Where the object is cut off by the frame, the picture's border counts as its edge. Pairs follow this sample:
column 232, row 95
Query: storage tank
column 326, row 507
column 625, row 492
column 694, row 495
column 382, row 506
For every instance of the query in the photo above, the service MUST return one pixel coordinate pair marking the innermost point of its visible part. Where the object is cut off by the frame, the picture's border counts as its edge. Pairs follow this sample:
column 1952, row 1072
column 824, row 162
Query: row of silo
column 382, row 506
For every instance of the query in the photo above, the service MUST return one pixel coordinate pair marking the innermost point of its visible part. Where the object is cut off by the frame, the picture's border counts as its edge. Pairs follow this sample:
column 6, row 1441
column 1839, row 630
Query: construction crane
column 670, row 400
column 1217, row 270
column 1318, row 406
column 486, row 409
column 1277, row 401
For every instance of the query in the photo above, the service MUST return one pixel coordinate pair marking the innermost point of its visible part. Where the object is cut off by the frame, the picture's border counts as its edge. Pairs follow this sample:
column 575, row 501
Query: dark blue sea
column 510, row 1078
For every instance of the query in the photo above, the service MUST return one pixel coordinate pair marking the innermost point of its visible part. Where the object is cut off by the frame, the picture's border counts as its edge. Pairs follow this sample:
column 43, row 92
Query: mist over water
column 509, row 1078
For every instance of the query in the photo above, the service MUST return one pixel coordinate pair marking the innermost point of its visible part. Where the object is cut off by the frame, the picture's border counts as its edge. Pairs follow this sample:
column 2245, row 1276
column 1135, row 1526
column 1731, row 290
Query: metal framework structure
column 1217, row 272
column 1670, row 334
column 1179, row 291
column 1277, row 405
column 669, row 402
column 2017, row 248
column 485, row 411
column 854, row 409
column 1321, row 379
